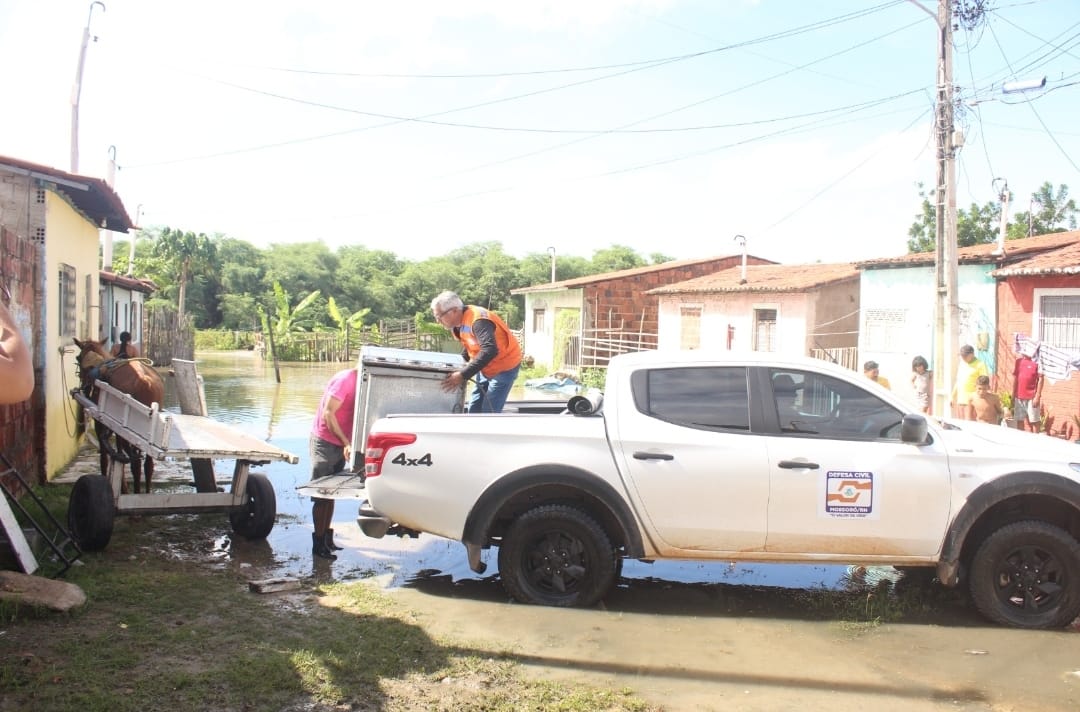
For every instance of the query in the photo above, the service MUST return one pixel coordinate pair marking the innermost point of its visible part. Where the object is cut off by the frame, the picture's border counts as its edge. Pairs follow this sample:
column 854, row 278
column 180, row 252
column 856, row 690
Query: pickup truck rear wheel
column 1027, row 574
column 556, row 555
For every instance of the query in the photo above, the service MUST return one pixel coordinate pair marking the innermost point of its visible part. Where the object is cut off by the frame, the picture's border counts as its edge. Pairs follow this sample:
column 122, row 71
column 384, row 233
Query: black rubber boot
column 329, row 539
column 319, row 548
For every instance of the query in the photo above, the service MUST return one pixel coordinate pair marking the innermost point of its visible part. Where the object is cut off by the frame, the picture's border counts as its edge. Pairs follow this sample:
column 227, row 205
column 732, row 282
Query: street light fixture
column 76, row 90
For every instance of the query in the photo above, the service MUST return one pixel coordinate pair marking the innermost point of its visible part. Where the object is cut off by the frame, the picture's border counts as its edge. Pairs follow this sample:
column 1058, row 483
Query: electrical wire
column 1035, row 111
column 749, row 85
column 840, row 178
column 978, row 115
column 802, row 29
column 394, row 120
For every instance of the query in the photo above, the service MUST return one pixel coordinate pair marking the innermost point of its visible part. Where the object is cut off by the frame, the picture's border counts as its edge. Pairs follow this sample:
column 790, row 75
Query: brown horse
column 134, row 377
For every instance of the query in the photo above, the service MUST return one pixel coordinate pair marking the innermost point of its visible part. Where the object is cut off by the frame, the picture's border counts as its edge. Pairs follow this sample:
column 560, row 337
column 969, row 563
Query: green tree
column 181, row 256
column 1050, row 212
column 615, row 258
column 300, row 267
column 365, row 278
column 975, row 226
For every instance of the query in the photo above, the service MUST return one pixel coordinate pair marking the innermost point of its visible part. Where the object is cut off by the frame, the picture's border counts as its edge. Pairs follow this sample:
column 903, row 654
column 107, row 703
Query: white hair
column 446, row 300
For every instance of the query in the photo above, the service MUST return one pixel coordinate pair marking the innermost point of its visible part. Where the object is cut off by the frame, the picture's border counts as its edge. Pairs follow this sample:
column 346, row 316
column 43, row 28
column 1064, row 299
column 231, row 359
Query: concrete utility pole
column 552, row 251
column 947, row 307
column 76, row 89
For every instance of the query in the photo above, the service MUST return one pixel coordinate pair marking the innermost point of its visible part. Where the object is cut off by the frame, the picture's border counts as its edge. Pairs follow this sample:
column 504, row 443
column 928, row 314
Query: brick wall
column 621, row 303
column 1015, row 297
column 22, row 425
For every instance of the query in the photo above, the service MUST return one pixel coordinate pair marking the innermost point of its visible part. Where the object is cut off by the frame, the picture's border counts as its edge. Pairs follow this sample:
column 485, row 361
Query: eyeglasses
column 440, row 315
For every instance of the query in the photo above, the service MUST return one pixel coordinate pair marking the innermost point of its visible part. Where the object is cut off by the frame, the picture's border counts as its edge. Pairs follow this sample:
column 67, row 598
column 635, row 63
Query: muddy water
column 684, row 635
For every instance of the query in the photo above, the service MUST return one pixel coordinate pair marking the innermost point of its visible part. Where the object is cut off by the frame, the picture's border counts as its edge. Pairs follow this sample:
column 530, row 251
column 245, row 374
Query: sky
column 667, row 126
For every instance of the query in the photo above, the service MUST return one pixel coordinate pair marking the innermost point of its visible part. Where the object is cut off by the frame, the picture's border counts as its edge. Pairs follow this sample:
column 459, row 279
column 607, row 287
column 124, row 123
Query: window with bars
column 764, row 330
column 884, row 330
column 689, row 328
column 1059, row 320
column 67, row 300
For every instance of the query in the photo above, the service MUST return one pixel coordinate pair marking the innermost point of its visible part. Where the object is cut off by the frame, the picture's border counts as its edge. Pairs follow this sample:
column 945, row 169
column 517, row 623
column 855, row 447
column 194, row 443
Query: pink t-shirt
column 343, row 387
column 1026, row 373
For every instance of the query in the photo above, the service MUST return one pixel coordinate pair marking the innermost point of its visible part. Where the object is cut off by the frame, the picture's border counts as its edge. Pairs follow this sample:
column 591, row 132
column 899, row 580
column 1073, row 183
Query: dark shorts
column 326, row 458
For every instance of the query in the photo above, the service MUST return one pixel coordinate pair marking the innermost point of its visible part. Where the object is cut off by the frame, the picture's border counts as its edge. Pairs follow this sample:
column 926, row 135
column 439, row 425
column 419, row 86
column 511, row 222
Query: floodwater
column 683, row 635
column 242, row 390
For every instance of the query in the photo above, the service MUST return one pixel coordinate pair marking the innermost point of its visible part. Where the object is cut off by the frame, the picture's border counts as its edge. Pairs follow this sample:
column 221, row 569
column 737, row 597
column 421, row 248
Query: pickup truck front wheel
column 1027, row 574
column 556, row 555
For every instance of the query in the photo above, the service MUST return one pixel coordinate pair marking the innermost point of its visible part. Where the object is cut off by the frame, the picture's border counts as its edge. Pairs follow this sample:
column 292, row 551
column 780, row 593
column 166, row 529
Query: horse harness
column 100, row 371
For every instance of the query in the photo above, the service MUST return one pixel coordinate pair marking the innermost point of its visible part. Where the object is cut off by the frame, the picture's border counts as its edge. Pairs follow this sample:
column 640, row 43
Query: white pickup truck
column 737, row 457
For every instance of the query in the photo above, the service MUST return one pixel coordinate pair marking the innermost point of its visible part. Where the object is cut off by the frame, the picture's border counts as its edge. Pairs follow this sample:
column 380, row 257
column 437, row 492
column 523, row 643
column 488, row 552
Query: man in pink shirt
column 330, row 447
column 1027, row 390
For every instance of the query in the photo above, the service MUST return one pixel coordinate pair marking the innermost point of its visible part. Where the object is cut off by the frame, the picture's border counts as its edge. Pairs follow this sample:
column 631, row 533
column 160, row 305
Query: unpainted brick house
column 1039, row 297
column 585, row 321
column 51, row 223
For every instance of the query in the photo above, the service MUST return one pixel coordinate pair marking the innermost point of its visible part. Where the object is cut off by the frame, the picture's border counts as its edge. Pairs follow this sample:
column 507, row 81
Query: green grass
column 163, row 632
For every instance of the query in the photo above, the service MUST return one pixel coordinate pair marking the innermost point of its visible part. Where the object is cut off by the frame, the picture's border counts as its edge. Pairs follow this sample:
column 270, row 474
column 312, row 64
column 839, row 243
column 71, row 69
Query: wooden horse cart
column 97, row 499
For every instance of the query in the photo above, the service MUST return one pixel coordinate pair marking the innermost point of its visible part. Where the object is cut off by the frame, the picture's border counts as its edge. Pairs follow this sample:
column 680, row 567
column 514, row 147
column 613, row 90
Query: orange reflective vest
column 509, row 354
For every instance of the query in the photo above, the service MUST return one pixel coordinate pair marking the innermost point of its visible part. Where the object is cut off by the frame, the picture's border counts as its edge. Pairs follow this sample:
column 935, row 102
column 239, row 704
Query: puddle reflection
column 242, row 390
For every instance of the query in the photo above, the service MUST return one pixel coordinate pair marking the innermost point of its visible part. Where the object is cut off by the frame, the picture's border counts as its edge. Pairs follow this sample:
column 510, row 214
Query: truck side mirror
column 913, row 429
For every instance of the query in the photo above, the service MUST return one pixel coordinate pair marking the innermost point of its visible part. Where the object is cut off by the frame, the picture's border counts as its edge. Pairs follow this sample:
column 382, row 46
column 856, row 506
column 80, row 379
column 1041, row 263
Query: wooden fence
column 167, row 336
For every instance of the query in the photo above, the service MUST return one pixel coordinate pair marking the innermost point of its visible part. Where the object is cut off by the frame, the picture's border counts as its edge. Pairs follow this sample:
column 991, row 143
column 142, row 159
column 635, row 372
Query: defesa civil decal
column 849, row 494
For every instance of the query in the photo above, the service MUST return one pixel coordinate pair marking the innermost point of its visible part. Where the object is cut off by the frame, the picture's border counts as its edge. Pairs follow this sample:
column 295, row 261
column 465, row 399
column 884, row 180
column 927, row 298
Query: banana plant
column 288, row 319
column 346, row 322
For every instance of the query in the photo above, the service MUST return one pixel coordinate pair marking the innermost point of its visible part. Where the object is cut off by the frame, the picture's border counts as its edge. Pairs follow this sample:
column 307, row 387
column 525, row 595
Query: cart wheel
column 255, row 518
column 91, row 512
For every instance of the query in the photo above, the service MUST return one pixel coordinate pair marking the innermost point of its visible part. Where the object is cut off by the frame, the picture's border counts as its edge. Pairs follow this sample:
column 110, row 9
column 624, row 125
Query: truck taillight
column 378, row 445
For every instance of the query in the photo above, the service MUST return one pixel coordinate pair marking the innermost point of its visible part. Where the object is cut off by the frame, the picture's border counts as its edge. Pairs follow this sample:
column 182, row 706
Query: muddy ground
column 687, row 636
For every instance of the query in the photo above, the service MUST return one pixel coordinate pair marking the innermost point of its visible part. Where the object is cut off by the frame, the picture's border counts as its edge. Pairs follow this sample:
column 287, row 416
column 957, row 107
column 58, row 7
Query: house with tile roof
column 583, row 322
column 898, row 296
column 794, row 309
column 1039, row 296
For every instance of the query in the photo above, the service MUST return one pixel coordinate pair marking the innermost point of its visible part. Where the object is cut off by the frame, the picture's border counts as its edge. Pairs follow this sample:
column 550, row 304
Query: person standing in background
column 125, row 349
column 922, row 384
column 986, row 406
column 967, row 376
column 871, row 371
column 330, row 447
column 1027, row 390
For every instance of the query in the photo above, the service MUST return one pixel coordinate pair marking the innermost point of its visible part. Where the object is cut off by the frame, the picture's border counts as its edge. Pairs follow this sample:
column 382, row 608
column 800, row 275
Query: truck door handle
column 797, row 465
column 642, row 455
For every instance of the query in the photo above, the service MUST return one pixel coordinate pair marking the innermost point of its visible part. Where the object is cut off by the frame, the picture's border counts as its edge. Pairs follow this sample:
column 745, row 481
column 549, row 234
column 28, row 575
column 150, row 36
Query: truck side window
column 816, row 405
column 711, row 398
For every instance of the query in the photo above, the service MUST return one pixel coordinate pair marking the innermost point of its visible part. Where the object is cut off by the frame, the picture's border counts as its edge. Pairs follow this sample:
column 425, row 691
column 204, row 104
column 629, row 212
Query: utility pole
column 76, row 89
column 947, row 307
column 552, row 251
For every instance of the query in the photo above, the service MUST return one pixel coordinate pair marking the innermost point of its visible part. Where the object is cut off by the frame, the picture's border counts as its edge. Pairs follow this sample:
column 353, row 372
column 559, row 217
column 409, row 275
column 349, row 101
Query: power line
column 802, row 29
column 425, row 118
column 1034, row 111
column 554, row 147
column 743, row 142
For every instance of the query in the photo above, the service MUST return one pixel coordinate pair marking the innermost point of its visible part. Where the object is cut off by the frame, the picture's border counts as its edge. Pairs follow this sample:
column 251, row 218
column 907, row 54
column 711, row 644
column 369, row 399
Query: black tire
column 556, row 555
column 256, row 518
column 91, row 512
column 1027, row 575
